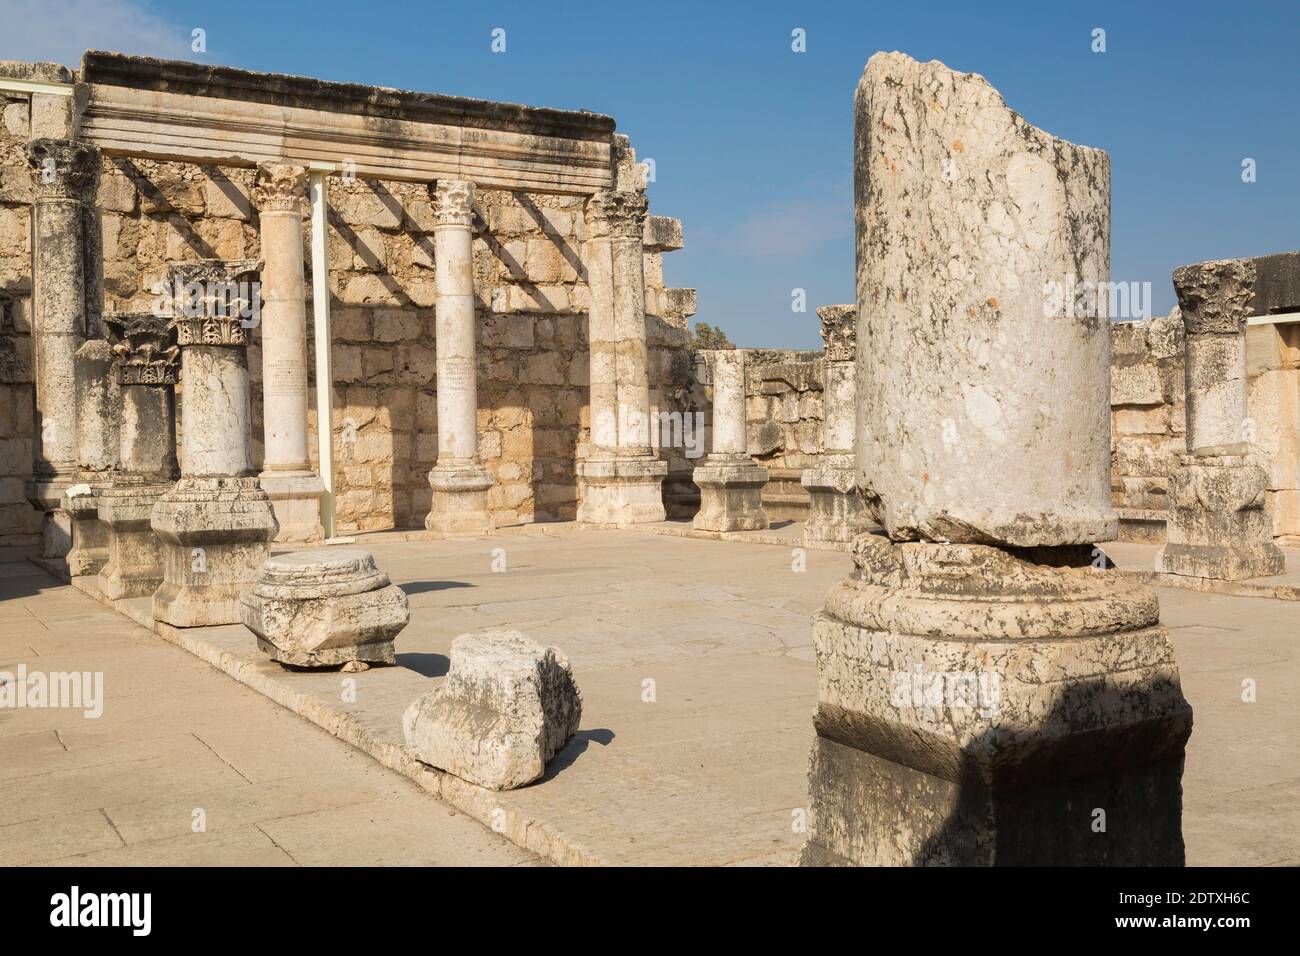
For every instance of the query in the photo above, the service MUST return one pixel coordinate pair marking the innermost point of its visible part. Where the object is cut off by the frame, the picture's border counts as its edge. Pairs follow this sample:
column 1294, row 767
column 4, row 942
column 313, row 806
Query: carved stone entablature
column 453, row 201
column 1215, row 297
column 281, row 187
column 215, row 301
column 144, row 346
column 839, row 332
column 61, row 168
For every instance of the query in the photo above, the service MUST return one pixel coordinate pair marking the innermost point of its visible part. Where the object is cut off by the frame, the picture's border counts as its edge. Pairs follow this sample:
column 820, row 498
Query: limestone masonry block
column 325, row 607
column 506, row 707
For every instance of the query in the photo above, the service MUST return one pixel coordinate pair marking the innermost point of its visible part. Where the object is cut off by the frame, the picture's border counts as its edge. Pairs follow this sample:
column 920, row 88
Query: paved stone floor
column 177, row 736
column 694, row 662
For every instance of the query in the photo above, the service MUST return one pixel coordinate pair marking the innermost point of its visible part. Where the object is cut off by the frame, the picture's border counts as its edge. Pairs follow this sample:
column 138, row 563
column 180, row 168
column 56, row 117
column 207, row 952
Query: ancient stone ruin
column 258, row 330
column 977, row 670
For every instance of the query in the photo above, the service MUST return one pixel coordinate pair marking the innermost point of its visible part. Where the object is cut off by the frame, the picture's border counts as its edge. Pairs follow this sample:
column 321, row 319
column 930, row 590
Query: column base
column 295, row 499
column 89, row 551
column 1217, row 526
column 621, row 491
column 46, row 494
column 981, row 707
column 325, row 607
column 731, row 494
column 135, row 563
column 459, row 507
column 215, row 534
column 836, row 513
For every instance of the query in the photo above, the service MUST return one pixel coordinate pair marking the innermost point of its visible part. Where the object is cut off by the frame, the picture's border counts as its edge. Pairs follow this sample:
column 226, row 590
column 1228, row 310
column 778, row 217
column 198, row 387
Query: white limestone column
column 459, row 480
column 627, row 215
column 729, row 404
column 731, row 485
column 599, row 260
column 61, row 171
column 287, row 478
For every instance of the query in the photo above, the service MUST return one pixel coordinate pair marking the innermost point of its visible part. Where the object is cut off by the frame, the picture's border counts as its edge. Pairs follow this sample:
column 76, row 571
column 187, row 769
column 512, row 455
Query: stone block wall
column 532, row 348
column 783, row 412
column 20, row 523
column 1148, row 420
column 1273, row 375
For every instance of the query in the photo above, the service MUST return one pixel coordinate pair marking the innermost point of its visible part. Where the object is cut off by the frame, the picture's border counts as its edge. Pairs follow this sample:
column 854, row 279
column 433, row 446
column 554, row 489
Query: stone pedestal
column 459, row 480
column 324, row 608
column 978, row 707
column 287, row 478
column 215, row 525
column 90, row 536
column 507, row 706
column 61, row 172
column 146, row 367
column 1217, row 525
column 731, row 494
column 731, row 485
column 622, row 481
column 835, row 511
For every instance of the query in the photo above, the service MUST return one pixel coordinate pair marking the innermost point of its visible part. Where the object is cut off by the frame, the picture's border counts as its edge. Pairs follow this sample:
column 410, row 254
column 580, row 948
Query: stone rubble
column 505, row 708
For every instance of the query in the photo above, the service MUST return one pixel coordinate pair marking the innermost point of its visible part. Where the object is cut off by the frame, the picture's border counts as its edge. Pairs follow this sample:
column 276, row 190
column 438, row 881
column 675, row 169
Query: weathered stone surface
column 325, row 607
column 1217, row 526
column 972, row 349
column 505, row 708
column 976, row 706
column 731, row 494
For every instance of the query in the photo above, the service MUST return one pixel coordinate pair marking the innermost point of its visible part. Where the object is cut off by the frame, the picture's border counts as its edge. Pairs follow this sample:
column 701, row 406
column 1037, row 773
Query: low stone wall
column 1273, row 374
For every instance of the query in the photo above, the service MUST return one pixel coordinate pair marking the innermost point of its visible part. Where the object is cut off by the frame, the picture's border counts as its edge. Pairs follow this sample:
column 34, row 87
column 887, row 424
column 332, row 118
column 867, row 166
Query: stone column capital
column 144, row 348
column 1215, row 296
column 281, row 187
column 622, row 212
column 215, row 301
column 61, row 168
column 839, row 332
column 453, row 202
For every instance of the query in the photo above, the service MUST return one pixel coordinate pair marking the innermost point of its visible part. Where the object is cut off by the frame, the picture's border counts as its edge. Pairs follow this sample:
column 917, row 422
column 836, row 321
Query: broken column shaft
column 986, row 695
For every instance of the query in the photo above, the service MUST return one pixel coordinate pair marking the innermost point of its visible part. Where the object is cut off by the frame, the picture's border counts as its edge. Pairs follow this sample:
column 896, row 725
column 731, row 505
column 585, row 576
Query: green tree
column 708, row 336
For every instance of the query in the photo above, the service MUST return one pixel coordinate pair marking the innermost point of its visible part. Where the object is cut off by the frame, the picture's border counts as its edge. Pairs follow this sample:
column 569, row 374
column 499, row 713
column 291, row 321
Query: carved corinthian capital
column 839, row 332
column 144, row 348
column 1215, row 296
column 626, row 212
column 453, row 201
column 61, row 168
column 215, row 301
column 281, row 187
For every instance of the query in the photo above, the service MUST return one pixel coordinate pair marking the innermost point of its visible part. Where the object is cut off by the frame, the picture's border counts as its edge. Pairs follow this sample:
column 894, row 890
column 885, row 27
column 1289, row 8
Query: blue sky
column 753, row 143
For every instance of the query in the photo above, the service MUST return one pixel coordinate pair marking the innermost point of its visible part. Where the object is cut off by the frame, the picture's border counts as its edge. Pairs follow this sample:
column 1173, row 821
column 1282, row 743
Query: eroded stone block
column 505, row 708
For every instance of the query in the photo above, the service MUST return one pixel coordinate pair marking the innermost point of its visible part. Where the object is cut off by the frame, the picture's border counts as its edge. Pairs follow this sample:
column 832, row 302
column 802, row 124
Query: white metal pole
column 320, row 297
